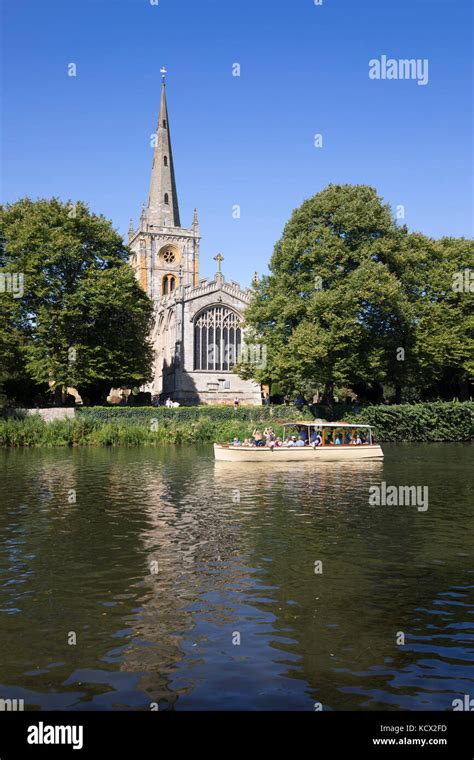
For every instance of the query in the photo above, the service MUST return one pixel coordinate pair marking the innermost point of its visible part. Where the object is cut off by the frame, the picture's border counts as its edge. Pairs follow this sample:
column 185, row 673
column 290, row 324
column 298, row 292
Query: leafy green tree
column 352, row 300
column 9, row 344
column 440, row 354
column 11, row 360
column 83, row 318
column 444, row 317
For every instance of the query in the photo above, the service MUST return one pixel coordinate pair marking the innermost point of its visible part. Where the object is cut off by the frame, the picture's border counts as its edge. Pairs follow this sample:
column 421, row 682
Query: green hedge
column 435, row 421
column 182, row 414
column 97, row 426
column 430, row 421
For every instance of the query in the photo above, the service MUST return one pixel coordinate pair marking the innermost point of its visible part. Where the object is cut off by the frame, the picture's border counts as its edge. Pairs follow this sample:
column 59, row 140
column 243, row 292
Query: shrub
column 436, row 421
column 186, row 414
column 140, row 426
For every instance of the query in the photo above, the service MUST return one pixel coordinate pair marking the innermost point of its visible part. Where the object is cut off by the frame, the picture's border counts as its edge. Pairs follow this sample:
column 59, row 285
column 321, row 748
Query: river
column 136, row 578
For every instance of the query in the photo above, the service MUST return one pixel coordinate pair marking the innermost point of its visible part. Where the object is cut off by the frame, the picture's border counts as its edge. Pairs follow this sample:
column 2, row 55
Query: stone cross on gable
column 219, row 258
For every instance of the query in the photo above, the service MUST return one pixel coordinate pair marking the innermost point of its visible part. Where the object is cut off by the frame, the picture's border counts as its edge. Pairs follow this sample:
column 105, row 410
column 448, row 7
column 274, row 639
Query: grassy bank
column 145, row 426
column 33, row 431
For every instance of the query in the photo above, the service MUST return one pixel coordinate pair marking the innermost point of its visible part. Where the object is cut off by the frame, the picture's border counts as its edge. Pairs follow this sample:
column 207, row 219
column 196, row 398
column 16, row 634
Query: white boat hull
column 347, row 453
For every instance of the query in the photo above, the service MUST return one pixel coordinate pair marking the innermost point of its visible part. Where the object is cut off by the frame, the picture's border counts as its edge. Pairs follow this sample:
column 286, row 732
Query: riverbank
column 145, row 426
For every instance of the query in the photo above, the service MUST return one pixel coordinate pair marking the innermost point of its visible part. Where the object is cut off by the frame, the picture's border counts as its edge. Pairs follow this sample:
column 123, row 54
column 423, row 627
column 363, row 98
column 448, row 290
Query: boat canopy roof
column 315, row 423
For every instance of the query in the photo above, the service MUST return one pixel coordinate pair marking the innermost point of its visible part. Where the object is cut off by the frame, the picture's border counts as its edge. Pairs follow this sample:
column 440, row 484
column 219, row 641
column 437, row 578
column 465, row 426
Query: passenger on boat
column 291, row 441
column 269, row 434
column 236, row 442
column 246, row 442
column 316, row 439
column 303, row 436
column 278, row 441
column 358, row 440
column 258, row 438
column 338, row 440
column 300, row 442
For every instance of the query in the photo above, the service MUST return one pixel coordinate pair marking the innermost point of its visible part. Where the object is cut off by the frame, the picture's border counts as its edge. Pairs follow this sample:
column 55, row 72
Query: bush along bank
column 97, row 426
column 435, row 421
column 215, row 413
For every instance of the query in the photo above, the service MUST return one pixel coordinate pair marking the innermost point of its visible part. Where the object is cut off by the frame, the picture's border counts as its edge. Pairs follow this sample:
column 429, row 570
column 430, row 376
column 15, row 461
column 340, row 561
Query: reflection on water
column 166, row 559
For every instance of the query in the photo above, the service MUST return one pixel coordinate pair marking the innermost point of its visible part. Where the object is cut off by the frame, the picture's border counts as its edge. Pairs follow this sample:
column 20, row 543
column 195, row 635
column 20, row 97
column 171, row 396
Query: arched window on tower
column 164, row 123
column 165, row 160
column 217, row 339
column 166, row 199
column 168, row 284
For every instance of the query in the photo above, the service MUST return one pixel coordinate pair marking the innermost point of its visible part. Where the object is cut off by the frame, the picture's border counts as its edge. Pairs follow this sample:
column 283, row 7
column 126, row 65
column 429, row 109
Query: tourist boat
column 329, row 451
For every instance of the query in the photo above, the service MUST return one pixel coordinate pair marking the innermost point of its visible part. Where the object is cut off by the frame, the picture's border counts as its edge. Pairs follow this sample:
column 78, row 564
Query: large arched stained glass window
column 217, row 339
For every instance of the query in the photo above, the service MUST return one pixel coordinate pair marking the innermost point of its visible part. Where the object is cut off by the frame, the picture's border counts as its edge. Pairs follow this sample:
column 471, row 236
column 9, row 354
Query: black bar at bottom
column 324, row 734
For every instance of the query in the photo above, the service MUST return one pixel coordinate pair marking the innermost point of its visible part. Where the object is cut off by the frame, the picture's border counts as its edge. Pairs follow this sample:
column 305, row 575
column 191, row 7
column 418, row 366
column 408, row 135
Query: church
column 197, row 335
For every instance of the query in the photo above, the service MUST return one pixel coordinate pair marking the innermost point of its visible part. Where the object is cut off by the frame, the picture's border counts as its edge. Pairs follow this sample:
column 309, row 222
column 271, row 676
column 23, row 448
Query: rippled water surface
column 159, row 570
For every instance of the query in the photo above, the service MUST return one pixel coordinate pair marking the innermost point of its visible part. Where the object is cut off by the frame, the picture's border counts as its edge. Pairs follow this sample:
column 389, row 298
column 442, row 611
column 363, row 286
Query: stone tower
column 164, row 254
column 198, row 325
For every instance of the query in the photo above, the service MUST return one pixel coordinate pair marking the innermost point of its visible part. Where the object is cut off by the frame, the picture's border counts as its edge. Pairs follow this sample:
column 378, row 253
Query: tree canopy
column 355, row 300
column 82, row 319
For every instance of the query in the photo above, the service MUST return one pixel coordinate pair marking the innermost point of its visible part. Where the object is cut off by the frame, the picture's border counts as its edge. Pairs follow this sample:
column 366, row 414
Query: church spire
column 163, row 210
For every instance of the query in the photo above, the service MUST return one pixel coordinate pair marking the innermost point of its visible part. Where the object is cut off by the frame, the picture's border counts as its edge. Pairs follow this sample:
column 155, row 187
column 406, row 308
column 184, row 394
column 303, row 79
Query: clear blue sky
column 247, row 140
